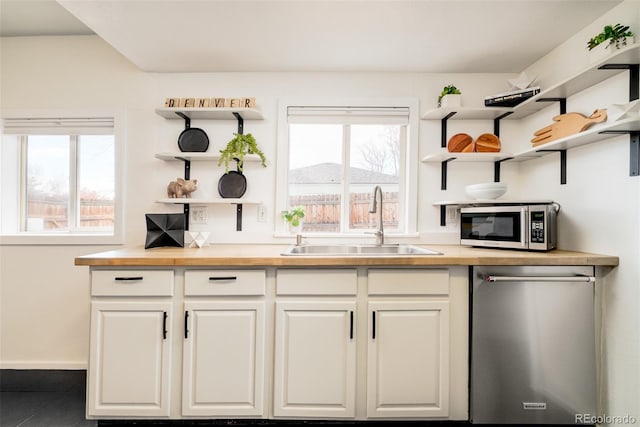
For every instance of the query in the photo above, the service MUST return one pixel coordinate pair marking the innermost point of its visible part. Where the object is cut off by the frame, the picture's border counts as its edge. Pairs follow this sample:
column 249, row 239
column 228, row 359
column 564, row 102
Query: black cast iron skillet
column 193, row 139
column 232, row 185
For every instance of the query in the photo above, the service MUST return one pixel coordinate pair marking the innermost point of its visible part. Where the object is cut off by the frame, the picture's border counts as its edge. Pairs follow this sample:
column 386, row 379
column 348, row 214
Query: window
column 336, row 156
column 62, row 178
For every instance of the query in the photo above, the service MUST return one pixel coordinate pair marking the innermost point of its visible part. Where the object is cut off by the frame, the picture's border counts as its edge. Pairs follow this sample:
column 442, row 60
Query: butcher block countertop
column 254, row 255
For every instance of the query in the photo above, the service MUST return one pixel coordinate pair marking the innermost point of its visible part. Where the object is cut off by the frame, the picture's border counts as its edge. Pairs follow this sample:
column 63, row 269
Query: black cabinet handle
column 164, row 325
column 186, row 324
column 129, row 279
column 351, row 325
column 222, row 278
column 373, row 324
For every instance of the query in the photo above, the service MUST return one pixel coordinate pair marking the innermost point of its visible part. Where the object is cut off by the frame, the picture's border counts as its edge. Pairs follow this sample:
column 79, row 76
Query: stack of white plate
column 488, row 190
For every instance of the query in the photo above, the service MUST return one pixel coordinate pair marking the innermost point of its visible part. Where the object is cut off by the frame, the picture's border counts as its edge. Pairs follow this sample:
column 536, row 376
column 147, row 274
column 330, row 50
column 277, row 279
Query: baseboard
column 43, row 380
column 49, row 365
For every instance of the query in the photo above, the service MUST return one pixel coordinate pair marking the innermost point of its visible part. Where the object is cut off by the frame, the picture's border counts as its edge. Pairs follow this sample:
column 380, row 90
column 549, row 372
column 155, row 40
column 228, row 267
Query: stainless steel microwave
column 528, row 227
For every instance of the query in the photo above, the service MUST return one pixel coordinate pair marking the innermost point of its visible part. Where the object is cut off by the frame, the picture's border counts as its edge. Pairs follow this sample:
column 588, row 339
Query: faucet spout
column 374, row 208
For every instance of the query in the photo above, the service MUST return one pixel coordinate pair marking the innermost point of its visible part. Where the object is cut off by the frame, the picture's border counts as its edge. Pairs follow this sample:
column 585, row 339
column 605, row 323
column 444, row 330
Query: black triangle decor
column 165, row 230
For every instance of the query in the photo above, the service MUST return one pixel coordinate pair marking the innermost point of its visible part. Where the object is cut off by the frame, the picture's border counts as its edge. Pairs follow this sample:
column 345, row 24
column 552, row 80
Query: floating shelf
column 488, row 202
column 589, row 136
column 466, row 157
column 580, row 81
column 223, row 113
column 466, row 113
column 203, row 157
column 187, row 201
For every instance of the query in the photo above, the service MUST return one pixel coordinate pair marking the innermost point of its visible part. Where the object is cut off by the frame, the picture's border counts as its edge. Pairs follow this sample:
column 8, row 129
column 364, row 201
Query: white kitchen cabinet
column 223, row 358
column 315, row 365
column 315, row 345
column 408, row 343
column 408, row 359
column 130, row 351
column 130, row 359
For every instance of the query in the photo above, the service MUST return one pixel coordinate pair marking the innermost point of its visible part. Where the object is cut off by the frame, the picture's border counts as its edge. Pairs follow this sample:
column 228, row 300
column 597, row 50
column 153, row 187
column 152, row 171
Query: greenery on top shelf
column 616, row 34
column 238, row 148
column 448, row 90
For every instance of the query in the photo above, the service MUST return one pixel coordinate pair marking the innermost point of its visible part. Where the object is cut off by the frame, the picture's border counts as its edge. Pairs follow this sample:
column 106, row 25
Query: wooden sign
column 210, row 102
column 567, row 124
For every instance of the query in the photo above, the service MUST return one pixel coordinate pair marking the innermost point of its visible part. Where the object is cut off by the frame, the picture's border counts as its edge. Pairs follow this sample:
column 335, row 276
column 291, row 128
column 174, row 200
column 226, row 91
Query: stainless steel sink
column 358, row 250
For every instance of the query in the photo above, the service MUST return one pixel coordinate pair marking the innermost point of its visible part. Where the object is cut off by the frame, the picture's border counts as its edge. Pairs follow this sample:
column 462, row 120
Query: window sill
column 59, row 239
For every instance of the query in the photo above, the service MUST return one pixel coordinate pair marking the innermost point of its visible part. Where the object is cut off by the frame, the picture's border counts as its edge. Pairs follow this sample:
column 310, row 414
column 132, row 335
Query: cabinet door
column 223, row 364
column 408, row 359
column 130, row 358
column 315, row 359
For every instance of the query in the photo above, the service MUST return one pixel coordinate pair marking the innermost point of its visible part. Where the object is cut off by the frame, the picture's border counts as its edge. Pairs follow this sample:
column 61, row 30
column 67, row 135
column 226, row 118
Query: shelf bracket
column 562, row 101
column 240, row 122
column 496, row 123
column 634, row 93
column 443, row 173
column 443, row 128
column 443, row 215
column 187, row 119
column 496, row 168
column 634, row 149
column 239, row 217
column 563, row 163
column 634, row 77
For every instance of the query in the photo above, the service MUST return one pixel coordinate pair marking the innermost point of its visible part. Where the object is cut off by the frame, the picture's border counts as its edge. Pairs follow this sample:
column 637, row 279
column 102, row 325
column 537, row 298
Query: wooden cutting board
column 567, row 124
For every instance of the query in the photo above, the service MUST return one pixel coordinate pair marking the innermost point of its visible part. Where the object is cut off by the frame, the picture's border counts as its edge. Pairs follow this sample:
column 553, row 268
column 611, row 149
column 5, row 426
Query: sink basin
column 358, row 250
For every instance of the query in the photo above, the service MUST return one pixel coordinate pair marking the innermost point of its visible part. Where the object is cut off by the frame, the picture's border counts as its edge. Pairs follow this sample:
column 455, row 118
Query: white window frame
column 12, row 179
column 411, row 163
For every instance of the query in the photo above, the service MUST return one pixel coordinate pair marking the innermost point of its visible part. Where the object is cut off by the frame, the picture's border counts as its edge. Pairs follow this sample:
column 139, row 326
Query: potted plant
column 238, row 148
column 450, row 97
column 615, row 36
column 294, row 218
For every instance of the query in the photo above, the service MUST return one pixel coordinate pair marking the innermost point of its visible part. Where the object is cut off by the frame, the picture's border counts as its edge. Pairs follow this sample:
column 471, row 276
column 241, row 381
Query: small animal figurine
column 567, row 124
column 181, row 188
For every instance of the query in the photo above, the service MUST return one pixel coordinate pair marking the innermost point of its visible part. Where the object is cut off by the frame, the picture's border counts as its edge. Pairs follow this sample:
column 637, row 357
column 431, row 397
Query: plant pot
column 603, row 50
column 451, row 101
column 295, row 229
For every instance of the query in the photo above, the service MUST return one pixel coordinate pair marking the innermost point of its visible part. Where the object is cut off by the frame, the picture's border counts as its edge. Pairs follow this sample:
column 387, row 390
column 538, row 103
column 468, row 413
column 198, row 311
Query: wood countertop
column 254, row 255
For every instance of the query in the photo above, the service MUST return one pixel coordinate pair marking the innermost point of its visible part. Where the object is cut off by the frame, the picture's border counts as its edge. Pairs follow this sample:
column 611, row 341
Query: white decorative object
column 489, row 190
column 521, row 82
column 604, row 49
column 451, row 101
column 630, row 110
column 196, row 239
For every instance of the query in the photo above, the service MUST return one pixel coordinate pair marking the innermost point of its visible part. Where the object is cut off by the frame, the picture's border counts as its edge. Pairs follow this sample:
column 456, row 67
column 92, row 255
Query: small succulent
column 294, row 215
column 448, row 90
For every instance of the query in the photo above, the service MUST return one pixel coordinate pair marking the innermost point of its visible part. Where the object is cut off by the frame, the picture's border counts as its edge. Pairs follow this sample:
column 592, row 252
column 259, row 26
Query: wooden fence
column 323, row 213
column 93, row 213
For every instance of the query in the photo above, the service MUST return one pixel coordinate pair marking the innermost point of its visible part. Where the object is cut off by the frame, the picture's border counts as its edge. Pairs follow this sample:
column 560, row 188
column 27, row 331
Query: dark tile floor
column 31, row 399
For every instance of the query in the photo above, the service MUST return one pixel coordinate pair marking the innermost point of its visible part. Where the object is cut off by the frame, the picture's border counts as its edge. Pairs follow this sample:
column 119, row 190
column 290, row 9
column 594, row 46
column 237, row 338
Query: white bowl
column 489, row 190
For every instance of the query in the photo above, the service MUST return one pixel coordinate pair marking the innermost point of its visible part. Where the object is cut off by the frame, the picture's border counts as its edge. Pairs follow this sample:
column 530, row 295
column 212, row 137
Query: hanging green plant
column 238, row 148
column 616, row 34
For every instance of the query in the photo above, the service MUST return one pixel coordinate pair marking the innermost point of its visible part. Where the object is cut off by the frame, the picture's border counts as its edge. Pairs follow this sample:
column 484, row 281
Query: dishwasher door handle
column 582, row 279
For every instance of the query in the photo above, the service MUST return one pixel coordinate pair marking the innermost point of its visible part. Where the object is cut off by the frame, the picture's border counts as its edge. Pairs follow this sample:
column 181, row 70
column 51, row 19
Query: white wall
column 600, row 210
column 49, row 304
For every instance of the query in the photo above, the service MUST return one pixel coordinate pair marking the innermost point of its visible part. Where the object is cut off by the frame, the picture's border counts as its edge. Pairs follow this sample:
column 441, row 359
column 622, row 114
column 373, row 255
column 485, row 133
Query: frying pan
column 232, row 185
column 193, row 139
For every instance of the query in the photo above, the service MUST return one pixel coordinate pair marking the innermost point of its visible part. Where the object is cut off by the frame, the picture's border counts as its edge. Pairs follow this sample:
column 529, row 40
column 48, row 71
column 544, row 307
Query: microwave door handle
column 524, row 235
column 582, row 279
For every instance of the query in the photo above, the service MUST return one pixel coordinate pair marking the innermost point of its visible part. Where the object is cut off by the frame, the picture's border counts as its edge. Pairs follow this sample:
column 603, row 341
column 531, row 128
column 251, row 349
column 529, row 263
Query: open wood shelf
column 223, row 113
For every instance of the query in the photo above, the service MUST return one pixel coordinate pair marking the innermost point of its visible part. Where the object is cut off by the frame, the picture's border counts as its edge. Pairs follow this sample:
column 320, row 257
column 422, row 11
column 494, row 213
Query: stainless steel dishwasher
column 532, row 345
